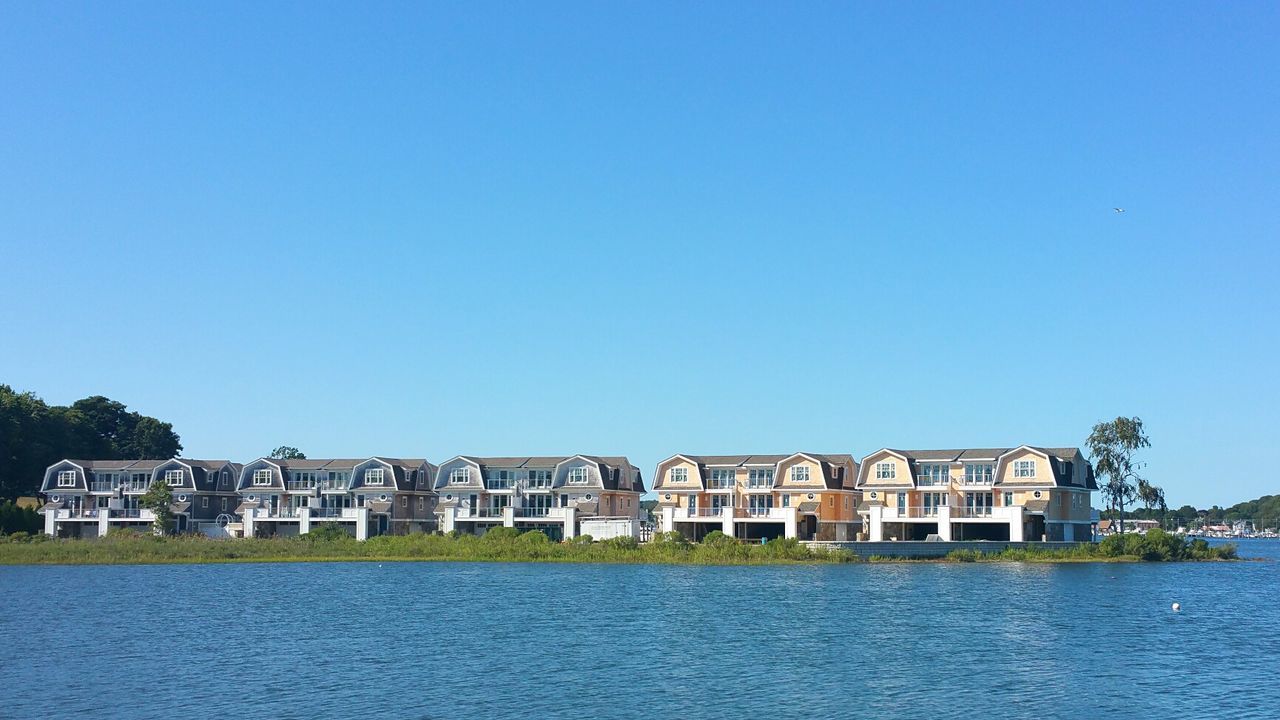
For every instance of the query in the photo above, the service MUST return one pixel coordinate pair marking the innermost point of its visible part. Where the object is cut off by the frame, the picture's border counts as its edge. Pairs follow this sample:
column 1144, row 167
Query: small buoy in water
column 1177, row 607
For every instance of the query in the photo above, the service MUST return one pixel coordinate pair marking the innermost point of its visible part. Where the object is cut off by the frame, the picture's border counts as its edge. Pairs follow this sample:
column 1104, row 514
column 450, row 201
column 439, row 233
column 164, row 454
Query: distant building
column 1014, row 494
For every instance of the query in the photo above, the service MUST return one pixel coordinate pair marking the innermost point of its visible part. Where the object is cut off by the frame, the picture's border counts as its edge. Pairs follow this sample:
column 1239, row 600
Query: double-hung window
column 578, row 476
column 460, row 476
column 1024, row 468
column 934, row 475
column 800, row 474
column 760, row 477
column 679, row 475
column 173, row 478
column 67, row 478
column 374, row 476
column 722, row 478
column 262, row 477
column 886, row 471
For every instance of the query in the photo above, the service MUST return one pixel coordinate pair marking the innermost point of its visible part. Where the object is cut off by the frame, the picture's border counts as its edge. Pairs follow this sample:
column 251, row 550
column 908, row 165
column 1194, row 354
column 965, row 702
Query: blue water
column 405, row 640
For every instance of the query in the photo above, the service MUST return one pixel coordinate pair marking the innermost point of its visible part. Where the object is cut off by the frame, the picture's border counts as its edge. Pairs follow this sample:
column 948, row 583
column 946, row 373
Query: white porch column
column 446, row 519
column 790, row 524
column 51, row 522
column 104, row 521
column 1015, row 523
column 944, row 522
column 874, row 515
column 304, row 520
column 668, row 520
column 509, row 516
column 570, row 523
column 248, row 522
column 726, row 521
column 362, row 523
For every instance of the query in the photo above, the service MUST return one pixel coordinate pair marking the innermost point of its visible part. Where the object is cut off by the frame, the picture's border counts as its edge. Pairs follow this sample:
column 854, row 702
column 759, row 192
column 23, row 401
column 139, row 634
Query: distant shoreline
column 535, row 547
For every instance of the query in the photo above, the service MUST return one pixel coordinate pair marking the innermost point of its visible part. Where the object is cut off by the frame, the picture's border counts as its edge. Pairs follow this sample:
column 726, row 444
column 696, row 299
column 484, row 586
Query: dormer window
column 173, row 478
column 373, row 476
column 1024, row 468
column 679, row 475
column 800, row 474
column 578, row 476
column 67, row 478
column 226, row 479
column 460, row 476
column 886, row 471
column 262, row 477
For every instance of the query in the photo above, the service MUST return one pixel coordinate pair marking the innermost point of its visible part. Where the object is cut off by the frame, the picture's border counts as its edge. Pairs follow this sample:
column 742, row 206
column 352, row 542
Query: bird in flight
column 1119, row 210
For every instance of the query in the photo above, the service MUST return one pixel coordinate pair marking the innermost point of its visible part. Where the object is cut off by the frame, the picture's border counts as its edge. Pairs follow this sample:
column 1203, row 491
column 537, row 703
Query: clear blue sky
column 542, row 227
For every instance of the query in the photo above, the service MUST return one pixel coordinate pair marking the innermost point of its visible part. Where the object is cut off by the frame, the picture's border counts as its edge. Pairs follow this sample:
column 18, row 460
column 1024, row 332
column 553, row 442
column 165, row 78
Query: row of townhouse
column 372, row 496
column 1012, row 494
column 1017, row 494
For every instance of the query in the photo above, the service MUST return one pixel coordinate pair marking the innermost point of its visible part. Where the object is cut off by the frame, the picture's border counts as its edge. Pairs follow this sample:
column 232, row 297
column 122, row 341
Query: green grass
column 507, row 545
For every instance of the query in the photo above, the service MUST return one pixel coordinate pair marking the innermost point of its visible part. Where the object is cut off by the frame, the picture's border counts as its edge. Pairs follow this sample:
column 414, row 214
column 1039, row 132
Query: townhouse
column 365, row 497
column 1016, row 494
column 810, row 496
column 88, row 498
column 563, row 496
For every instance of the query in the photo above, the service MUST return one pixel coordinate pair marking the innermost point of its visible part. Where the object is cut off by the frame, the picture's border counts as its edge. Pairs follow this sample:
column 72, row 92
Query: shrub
column 624, row 542
column 964, row 555
column 500, row 534
column 673, row 537
column 582, row 540
column 328, row 532
column 534, row 537
column 715, row 538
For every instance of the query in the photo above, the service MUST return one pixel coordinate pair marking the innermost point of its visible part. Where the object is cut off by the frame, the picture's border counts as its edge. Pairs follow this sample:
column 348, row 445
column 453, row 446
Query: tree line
column 34, row 435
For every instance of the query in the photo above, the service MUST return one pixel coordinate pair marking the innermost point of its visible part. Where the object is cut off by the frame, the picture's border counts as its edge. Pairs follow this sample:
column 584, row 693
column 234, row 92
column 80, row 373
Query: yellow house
column 810, row 496
column 1018, row 494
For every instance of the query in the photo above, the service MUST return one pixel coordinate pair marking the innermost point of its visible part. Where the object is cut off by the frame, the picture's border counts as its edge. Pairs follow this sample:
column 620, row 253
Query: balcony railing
column 763, row 512
column 535, row 511
column 333, row 512
column 498, row 484
column 972, row 512
column 333, row 486
column 930, row 481
column 705, row 512
column 759, row 485
column 720, row 484
column 132, row 486
column 301, row 485
column 103, row 485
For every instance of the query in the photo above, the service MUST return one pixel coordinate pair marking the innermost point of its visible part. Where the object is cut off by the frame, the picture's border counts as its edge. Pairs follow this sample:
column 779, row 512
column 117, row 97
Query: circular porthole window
column 873, row 496
column 588, row 496
column 667, row 496
column 448, row 497
column 1037, row 494
column 182, row 498
column 810, row 496
column 56, row 498
column 383, row 498
column 253, row 498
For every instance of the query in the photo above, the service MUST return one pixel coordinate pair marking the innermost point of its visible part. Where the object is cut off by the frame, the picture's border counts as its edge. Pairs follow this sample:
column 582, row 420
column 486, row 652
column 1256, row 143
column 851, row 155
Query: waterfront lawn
column 330, row 544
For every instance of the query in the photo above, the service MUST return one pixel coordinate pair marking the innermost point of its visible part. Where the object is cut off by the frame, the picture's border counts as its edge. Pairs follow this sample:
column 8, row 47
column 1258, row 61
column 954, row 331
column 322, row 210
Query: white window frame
column 1024, row 468
column 800, row 474
column 375, row 476
column 169, row 476
column 578, row 476
column 224, row 504
column 723, row 478
column 460, row 476
column 760, row 477
column 680, row 475
column 262, row 476
column 204, row 502
column 66, row 478
column 886, row 470
column 225, row 479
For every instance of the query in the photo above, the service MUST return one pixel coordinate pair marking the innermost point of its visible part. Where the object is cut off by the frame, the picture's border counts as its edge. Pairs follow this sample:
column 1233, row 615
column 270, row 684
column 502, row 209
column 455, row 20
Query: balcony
column 539, row 512
column 135, row 487
column 704, row 512
column 333, row 486
column 930, row 481
column 332, row 513
column 496, row 484
column 301, row 485
column 763, row 513
column 104, row 486
column 911, row 513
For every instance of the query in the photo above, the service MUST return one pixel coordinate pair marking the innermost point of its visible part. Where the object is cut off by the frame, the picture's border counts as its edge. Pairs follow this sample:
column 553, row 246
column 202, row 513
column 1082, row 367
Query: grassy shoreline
column 131, row 549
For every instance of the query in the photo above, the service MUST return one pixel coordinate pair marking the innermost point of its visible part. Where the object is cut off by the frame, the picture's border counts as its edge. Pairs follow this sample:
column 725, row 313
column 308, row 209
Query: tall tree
column 287, row 452
column 34, row 435
column 1112, row 446
column 157, row 499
